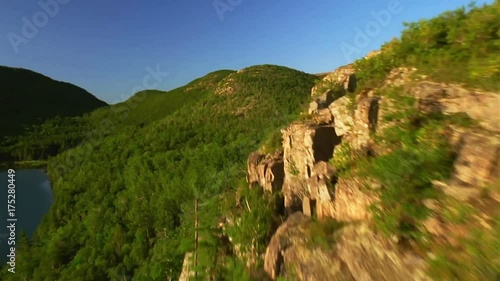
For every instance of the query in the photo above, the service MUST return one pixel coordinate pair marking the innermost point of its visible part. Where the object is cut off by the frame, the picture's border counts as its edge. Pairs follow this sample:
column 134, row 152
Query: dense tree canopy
column 124, row 201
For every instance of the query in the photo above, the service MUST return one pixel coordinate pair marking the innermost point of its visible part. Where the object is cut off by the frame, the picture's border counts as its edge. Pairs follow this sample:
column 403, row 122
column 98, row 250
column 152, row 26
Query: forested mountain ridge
column 39, row 142
column 29, row 98
column 135, row 217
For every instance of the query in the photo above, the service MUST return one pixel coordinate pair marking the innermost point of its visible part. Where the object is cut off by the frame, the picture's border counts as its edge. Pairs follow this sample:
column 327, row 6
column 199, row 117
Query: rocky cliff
column 395, row 182
column 348, row 126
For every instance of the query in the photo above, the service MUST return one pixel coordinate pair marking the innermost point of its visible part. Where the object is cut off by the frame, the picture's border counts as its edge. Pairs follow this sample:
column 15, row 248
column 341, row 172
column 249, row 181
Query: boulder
column 448, row 99
column 343, row 119
column 371, row 257
column 476, row 164
column 356, row 122
column 352, row 199
column 365, row 121
column 291, row 256
column 358, row 253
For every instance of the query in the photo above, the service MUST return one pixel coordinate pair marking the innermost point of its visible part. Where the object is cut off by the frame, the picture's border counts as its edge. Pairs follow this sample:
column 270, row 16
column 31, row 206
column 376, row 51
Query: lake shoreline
column 34, row 164
column 33, row 197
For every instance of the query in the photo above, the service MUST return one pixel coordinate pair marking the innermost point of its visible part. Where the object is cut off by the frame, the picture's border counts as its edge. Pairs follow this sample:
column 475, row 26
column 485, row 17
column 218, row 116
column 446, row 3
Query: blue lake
column 33, row 200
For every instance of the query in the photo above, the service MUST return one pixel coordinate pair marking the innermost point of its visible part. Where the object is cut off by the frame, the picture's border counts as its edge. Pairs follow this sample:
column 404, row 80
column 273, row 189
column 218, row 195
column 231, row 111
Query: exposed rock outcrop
column 399, row 77
column 373, row 54
column 370, row 257
column 266, row 170
column 342, row 110
column 309, row 181
column 357, row 254
column 356, row 119
column 307, row 148
column 321, row 101
column 290, row 255
column 476, row 165
column 344, row 77
column 481, row 106
column 311, row 187
column 353, row 198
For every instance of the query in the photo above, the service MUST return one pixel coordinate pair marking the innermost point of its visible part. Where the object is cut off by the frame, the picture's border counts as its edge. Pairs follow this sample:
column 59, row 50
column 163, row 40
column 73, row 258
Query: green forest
column 126, row 177
column 124, row 197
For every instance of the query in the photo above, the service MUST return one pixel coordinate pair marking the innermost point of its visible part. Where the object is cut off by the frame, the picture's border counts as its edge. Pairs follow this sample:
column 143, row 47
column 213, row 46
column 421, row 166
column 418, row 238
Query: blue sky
column 105, row 46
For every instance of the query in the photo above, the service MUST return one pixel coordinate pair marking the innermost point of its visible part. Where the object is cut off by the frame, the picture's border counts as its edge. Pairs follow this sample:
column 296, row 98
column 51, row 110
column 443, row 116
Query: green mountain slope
column 39, row 142
column 123, row 203
column 28, row 98
column 151, row 105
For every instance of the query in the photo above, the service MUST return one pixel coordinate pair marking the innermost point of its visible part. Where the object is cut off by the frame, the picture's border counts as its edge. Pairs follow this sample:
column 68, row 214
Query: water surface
column 33, row 200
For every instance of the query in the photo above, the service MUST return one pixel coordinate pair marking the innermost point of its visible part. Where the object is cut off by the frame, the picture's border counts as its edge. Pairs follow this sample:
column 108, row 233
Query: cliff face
column 377, row 183
column 308, row 181
column 344, row 127
column 266, row 170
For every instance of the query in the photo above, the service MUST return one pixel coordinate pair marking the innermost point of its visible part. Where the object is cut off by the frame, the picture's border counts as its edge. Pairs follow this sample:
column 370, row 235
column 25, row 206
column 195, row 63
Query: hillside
column 29, row 98
column 39, row 142
column 135, row 217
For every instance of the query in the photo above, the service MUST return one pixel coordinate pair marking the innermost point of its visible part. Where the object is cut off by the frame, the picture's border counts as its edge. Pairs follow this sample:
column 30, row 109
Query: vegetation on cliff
column 460, row 46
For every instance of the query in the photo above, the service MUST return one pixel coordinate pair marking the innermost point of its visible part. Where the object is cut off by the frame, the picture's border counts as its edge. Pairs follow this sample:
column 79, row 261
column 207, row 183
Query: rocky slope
column 342, row 126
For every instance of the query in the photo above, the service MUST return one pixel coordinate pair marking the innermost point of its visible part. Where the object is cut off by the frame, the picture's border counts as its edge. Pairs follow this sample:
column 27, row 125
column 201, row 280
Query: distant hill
column 28, row 98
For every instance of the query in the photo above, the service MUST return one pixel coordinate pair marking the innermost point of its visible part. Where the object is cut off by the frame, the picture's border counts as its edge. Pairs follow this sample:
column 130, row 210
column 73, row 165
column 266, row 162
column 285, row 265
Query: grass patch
column 476, row 253
column 293, row 169
column 477, row 258
column 461, row 119
column 255, row 221
column 418, row 153
column 344, row 158
column 272, row 142
column 322, row 232
column 322, row 86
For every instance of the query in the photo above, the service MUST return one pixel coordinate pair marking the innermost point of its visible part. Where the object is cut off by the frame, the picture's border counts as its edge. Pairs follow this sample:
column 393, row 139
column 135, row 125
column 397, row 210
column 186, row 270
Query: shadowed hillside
column 27, row 98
